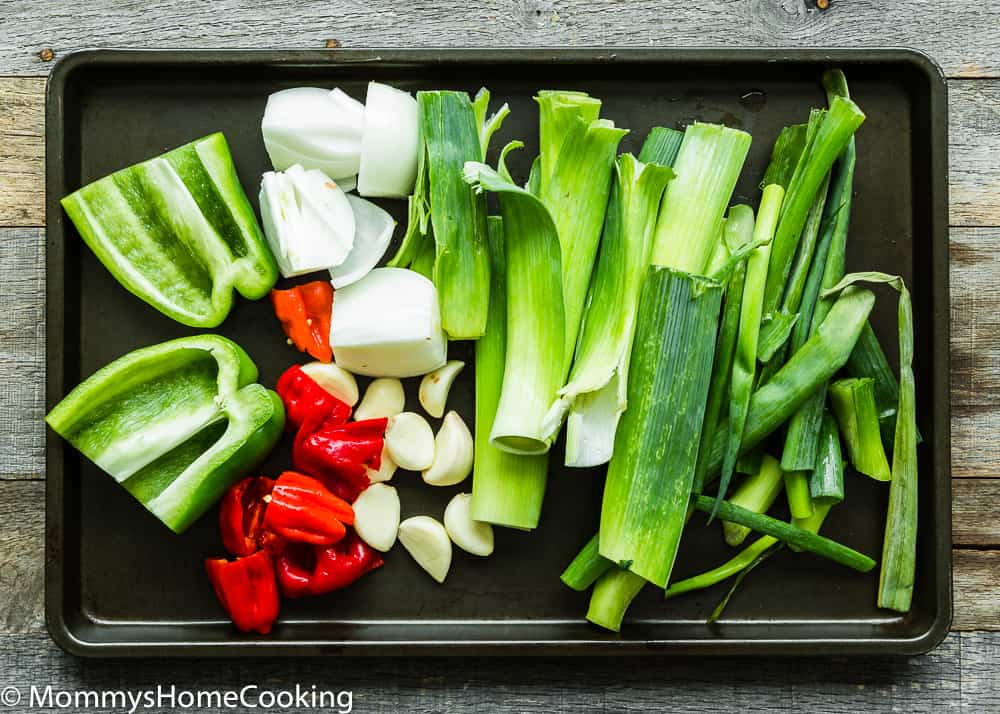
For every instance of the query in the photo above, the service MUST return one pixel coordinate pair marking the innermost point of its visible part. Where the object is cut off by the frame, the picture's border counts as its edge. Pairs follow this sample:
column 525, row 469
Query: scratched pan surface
column 118, row 583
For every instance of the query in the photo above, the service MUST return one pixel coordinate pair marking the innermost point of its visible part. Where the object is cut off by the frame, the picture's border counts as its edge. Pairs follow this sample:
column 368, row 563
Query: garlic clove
column 376, row 516
column 453, row 453
column 383, row 398
column 335, row 380
column 470, row 535
column 410, row 441
column 373, row 233
column 428, row 542
column 434, row 387
column 386, row 470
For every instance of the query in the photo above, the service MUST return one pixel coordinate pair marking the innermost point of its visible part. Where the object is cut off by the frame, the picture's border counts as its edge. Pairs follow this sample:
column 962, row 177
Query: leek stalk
column 853, row 402
column 613, row 593
column 757, row 493
column 826, row 483
column 586, row 567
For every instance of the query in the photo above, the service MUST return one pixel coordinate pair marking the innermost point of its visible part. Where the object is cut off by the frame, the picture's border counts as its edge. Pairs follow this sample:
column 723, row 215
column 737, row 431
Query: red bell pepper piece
column 340, row 454
column 304, row 312
column 314, row 569
column 301, row 509
column 306, row 402
column 241, row 516
column 247, row 589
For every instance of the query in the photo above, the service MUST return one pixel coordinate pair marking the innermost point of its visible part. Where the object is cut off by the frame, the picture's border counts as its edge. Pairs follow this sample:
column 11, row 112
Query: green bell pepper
column 178, row 232
column 176, row 424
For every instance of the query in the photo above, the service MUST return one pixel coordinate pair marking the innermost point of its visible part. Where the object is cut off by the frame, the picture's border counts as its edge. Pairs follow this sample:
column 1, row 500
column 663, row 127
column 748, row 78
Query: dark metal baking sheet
column 118, row 583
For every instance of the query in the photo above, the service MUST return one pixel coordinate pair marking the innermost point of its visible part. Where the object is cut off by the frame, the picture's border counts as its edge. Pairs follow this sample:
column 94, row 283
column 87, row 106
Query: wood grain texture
column 974, row 144
column 22, row 150
column 975, row 316
column 22, row 351
column 962, row 35
column 957, row 676
column 977, row 590
column 975, row 446
column 974, row 512
column 22, row 555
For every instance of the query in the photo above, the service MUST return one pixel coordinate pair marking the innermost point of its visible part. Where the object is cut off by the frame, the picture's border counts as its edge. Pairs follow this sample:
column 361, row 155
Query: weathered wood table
column 962, row 35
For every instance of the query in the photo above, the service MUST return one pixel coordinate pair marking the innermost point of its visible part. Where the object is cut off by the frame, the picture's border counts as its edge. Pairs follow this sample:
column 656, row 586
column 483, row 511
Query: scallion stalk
column 826, row 483
column 853, row 402
column 613, row 593
column 716, row 575
column 586, row 567
column 757, row 493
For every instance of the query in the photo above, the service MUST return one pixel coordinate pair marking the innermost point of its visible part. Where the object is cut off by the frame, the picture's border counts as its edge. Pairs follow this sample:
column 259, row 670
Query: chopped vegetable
column 178, row 232
column 868, row 360
column 388, row 325
column 376, row 516
column 853, row 402
column 427, row 541
column 390, row 143
column 241, row 516
column 307, row 403
column 434, row 387
column 373, row 229
column 246, row 589
column 383, row 398
column 756, row 493
column 613, row 593
column 316, row 128
column 302, row 510
column 176, row 424
column 385, row 471
column 507, row 489
column 340, row 455
column 307, row 219
column 410, row 441
column 305, row 569
column 335, row 380
column 587, row 566
column 470, row 535
column 453, row 453
column 738, row 563
column 304, row 313
column 826, row 483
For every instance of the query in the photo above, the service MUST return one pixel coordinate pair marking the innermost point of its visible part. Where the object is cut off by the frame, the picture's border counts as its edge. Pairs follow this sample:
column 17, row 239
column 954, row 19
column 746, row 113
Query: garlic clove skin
column 470, row 535
column 410, row 441
column 389, row 143
column 376, row 516
column 372, row 234
column 453, row 453
column 383, row 398
column 386, row 470
column 435, row 386
column 427, row 541
column 335, row 380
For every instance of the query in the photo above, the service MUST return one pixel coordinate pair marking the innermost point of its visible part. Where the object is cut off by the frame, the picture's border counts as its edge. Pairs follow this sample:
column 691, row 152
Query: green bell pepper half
column 178, row 232
column 176, row 423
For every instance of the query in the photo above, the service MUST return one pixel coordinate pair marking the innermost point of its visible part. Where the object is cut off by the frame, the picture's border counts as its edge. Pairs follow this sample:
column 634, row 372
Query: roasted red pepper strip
column 307, row 403
column 247, row 589
column 304, row 312
column 314, row 570
column 241, row 516
column 340, row 455
column 301, row 509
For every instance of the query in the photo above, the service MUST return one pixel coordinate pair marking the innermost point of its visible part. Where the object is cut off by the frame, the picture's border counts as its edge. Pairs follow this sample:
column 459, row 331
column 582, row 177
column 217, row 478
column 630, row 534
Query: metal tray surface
column 120, row 584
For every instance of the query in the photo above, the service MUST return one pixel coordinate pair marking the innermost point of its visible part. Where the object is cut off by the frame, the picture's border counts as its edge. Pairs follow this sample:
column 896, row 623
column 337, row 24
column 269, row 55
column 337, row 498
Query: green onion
column 787, row 533
column 785, row 155
column 831, row 138
column 577, row 156
column 739, row 562
column 714, row 616
column 507, row 489
column 797, row 492
column 651, row 473
column 596, row 392
column 707, row 167
column 899, row 548
column 613, row 593
column 534, row 363
column 738, row 233
column 868, row 360
column 853, row 402
column 587, row 566
column 745, row 362
column 826, row 483
column 757, row 493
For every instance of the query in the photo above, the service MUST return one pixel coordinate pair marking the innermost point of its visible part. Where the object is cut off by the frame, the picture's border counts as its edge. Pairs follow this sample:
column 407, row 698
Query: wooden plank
column 961, row 35
column 974, row 143
column 22, row 556
column 975, row 448
column 975, row 316
column 22, row 151
column 974, row 515
column 22, row 351
column 977, row 589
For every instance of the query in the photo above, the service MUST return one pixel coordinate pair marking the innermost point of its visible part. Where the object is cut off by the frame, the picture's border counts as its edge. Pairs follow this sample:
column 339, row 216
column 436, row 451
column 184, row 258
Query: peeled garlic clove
column 386, row 469
column 470, row 535
column 410, row 441
column 383, row 398
column 372, row 234
column 335, row 380
column 453, row 451
column 376, row 516
column 434, row 387
column 389, row 143
column 428, row 542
